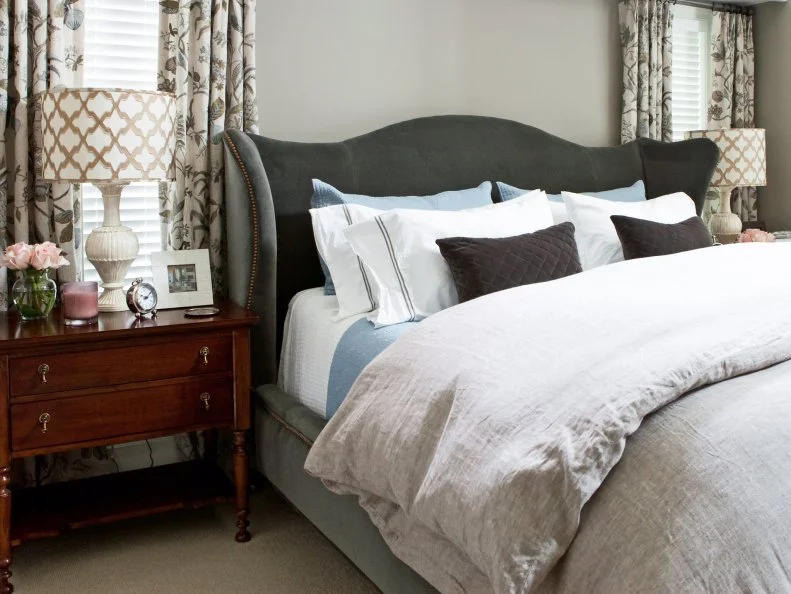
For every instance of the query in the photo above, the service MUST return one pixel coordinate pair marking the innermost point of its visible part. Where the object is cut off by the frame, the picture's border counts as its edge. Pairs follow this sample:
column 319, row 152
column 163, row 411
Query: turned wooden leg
column 5, row 531
column 241, row 473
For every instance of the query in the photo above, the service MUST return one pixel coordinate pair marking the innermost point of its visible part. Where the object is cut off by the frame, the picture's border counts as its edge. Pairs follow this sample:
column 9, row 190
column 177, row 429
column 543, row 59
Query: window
column 691, row 80
column 121, row 45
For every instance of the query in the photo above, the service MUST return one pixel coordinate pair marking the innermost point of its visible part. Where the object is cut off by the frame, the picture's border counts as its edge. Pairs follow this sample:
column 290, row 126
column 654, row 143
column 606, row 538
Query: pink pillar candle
column 80, row 303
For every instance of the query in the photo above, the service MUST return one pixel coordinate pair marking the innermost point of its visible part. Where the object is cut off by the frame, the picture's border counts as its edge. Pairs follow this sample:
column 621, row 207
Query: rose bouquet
column 756, row 236
column 34, row 293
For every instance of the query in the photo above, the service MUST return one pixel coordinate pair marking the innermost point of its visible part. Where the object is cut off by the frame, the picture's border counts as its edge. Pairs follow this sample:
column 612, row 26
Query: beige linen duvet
column 484, row 443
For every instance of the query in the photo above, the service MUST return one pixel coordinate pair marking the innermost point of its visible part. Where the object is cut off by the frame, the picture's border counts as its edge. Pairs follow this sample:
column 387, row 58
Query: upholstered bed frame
column 272, row 255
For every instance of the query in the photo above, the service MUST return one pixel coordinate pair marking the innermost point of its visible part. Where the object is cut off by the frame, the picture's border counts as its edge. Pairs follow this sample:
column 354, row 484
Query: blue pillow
column 634, row 193
column 326, row 195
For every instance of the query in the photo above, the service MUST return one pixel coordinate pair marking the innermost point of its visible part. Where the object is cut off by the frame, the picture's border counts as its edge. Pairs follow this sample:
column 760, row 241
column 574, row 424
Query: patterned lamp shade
column 107, row 136
column 742, row 156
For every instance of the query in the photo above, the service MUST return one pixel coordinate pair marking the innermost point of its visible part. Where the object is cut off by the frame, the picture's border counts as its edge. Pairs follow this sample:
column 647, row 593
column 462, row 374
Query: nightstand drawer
column 119, row 413
column 60, row 372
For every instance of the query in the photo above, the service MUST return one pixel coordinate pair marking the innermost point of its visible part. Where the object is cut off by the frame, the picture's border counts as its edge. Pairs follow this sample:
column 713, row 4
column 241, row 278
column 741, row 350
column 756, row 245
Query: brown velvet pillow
column 483, row 266
column 642, row 239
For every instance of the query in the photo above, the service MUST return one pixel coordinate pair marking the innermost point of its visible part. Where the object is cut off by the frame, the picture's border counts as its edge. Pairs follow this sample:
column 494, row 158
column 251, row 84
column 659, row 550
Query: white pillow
column 355, row 290
column 597, row 240
column 559, row 212
column 558, row 209
column 399, row 248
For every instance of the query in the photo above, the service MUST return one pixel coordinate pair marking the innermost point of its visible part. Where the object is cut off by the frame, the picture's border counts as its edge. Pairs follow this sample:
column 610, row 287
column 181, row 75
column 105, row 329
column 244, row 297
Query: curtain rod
column 716, row 6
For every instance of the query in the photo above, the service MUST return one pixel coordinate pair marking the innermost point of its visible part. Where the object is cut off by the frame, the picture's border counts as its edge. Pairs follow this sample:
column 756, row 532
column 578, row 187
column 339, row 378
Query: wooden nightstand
column 122, row 380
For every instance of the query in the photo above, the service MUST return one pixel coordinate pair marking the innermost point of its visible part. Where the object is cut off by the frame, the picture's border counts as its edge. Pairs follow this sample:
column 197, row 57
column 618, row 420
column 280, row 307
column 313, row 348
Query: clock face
column 145, row 298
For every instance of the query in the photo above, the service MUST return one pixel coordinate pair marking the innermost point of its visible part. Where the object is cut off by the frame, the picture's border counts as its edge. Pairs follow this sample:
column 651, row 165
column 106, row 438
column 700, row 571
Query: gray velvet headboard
column 271, row 252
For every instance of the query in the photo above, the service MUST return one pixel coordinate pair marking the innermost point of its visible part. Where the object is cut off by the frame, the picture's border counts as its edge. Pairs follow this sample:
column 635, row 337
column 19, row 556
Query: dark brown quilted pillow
column 642, row 239
column 483, row 266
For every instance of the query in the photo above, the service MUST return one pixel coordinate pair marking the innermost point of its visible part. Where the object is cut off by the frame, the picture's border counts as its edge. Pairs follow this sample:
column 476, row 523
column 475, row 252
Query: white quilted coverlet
column 310, row 338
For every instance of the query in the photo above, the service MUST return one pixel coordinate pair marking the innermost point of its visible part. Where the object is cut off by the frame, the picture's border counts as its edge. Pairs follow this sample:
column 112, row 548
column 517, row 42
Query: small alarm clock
column 141, row 298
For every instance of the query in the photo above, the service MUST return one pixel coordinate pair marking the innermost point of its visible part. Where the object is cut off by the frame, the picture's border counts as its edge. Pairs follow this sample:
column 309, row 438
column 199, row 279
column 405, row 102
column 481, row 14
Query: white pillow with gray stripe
column 326, row 195
column 353, row 287
column 399, row 249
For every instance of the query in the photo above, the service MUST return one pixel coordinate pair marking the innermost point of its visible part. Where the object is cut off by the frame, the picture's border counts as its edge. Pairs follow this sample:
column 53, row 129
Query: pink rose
column 17, row 256
column 756, row 236
column 47, row 255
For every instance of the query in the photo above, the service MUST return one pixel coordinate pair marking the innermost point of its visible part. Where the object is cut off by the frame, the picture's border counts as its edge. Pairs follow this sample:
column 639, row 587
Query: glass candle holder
column 80, row 303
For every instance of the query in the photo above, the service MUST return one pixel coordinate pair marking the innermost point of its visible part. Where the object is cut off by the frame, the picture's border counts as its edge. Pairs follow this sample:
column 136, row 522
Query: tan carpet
column 190, row 552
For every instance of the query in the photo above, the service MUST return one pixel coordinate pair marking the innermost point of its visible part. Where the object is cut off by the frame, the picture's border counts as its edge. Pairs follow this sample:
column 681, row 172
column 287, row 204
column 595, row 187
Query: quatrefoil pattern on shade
column 107, row 135
column 483, row 266
column 742, row 156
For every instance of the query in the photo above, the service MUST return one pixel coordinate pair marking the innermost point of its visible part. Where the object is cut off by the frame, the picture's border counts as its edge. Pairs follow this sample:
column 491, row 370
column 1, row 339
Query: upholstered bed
column 272, row 257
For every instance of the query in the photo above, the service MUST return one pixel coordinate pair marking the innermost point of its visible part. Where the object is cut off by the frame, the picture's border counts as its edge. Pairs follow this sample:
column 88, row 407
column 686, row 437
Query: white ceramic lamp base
column 725, row 225
column 111, row 249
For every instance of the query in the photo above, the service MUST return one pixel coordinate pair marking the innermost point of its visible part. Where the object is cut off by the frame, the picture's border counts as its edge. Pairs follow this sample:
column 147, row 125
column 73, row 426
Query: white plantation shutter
column 691, row 81
column 121, row 45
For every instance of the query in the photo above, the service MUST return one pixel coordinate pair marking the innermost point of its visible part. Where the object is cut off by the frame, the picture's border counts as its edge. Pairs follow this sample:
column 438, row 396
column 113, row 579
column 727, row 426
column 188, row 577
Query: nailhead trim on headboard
column 253, row 219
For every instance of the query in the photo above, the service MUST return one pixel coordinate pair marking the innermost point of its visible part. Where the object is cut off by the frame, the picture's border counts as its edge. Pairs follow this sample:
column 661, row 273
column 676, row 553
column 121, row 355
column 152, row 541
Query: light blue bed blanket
column 321, row 356
column 358, row 346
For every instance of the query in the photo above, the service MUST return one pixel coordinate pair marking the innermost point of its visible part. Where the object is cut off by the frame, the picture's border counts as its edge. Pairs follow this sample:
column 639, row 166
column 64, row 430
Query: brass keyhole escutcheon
column 43, row 370
column 205, row 397
column 204, row 352
column 43, row 419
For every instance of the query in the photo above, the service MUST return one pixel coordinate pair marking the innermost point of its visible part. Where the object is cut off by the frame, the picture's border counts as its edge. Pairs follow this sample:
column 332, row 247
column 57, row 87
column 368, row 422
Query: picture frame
column 182, row 278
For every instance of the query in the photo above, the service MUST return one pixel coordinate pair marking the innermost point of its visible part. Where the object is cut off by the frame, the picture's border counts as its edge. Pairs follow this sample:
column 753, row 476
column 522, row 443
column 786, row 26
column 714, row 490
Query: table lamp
column 742, row 164
column 108, row 137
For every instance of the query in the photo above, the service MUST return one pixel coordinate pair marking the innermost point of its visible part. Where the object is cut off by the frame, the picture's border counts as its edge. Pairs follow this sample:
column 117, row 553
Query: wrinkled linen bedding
column 699, row 503
column 476, row 440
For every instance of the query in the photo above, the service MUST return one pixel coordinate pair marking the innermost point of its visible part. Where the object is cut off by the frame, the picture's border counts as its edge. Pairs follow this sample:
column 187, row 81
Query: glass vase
column 34, row 294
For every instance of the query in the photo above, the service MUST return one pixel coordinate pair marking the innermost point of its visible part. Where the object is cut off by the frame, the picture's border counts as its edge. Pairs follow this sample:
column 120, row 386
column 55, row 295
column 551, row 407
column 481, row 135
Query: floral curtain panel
column 733, row 94
column 40, row 48
column 41, row 45
column 646, row 29
column 207, row 59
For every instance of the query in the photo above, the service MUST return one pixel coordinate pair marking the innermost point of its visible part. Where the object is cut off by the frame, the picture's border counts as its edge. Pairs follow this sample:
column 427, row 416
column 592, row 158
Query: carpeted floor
column 190, row 552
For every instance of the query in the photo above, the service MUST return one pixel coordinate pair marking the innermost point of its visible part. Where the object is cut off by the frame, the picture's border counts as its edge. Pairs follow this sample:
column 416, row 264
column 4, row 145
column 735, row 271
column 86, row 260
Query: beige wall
column 331, row 69
column 773, row 109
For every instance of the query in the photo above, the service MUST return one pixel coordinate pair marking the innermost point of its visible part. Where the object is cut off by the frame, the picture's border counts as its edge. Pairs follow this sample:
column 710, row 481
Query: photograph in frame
column 182, row 278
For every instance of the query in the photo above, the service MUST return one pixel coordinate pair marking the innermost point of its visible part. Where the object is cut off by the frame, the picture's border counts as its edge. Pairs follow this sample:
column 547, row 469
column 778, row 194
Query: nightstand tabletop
column 15, row 333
